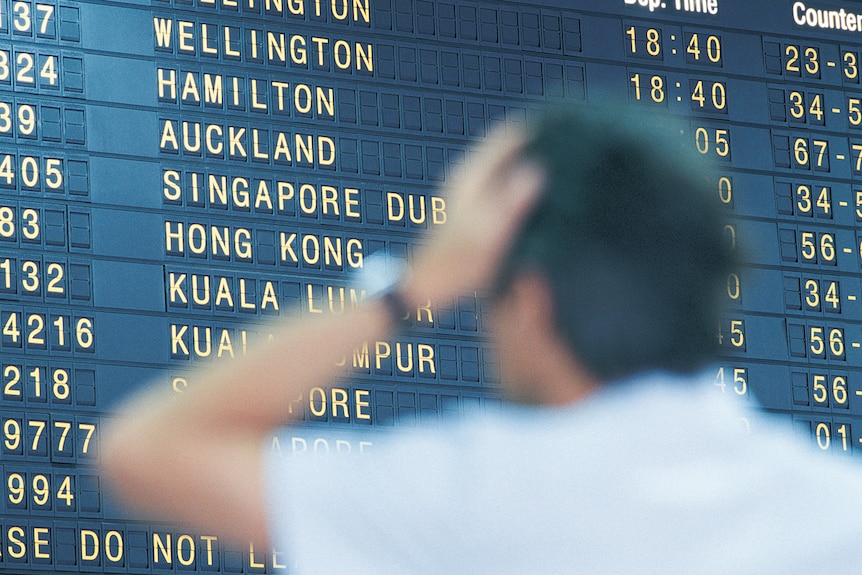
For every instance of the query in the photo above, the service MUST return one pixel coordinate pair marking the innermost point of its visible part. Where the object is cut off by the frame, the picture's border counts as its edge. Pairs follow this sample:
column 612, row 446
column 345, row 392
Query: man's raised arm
column 196, row 457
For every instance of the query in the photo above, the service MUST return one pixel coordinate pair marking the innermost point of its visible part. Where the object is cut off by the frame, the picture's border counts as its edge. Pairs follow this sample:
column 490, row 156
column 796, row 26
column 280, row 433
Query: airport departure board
column 174, row 171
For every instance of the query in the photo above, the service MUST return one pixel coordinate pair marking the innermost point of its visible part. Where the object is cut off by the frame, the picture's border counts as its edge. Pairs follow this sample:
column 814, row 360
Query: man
column 602, row 250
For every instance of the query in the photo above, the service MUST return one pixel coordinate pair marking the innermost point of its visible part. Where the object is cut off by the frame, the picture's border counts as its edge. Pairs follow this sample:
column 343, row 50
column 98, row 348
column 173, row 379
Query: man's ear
column 542, row 368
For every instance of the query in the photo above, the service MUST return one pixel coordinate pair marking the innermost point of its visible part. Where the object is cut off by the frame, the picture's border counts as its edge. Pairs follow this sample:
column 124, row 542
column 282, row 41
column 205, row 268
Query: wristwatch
column 380, row 278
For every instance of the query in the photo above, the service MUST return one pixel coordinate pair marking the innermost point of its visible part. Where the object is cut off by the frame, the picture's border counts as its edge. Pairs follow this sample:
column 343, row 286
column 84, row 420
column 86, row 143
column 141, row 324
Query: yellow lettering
column 296, row 7
column 225, row 346
column 40, row 542
column 220, row 235
column 302, row 100
column 189, row 145
column 426, row 308
column 208, row 540
column 256, row 152
column 354, row 253
column 197, row 239
column 339, row 400
column 179, row 384
column 395, row 206
column 282, row 148
column 317, row 401
column 235, row 84
column 192, row 37
column 426, row 358
column 89, row 545
column 190, row 89
column 213, row 89
column 178, row 344
column 303, row 149
column 365, row 57
column 361, row 13
column 218, row 242
column 351, row 202
column 239, row 193
column 255, row 96
column 16, row 546
column 298, row 53
column 186, row 38
column 200, row 291
column 310, row 249
column 243, row 296
column 330, row 200
column 415, row 208
column 235, row 136
column 331, row 296
column 263, row 197
column 341, row 54
column 205, row 45
column 325, row 151
column 168, row 82
column 408, row 367
column 335, row 249
column 414, row 217
column 269, row 298
column 165, row 548
column 438, row 210
column 307, row 198
column 223, row 296
column 242, row 243
column 171, row 236
column 163, row 32
column 253, row 43
column 382, row 350
column 196, row 196
column 275, row 45
column 361, row 357
column 320, row 43
column 169, row 137
column 279, row 95
column 172, row 190
column 228, row 41
column 202, row 345
column 176, row 292
column 286, row 241
column 310, row 299
column 114, row 546
column 252, row 561
column 214, row 137
column 339, row 15
column 361, row 401
column 185, row 550
column 285, row 193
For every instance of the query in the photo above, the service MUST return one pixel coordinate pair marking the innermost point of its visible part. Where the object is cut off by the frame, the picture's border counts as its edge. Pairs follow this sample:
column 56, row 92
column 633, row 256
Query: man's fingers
column 486, row 163
column 523, row 186
column 487, row 204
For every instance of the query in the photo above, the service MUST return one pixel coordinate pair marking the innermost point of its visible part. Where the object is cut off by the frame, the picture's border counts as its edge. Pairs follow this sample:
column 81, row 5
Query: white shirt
column 653, row 475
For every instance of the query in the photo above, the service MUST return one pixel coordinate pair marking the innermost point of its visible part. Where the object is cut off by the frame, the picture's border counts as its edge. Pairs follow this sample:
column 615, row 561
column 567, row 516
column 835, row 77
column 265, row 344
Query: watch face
column 379, row 274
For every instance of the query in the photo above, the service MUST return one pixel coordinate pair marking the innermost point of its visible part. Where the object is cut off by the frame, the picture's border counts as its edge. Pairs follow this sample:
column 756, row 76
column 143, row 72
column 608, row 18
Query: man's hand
column 488, row 200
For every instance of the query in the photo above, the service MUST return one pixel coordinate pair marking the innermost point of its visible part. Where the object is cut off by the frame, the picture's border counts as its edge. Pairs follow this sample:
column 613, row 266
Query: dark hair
column 628, row 235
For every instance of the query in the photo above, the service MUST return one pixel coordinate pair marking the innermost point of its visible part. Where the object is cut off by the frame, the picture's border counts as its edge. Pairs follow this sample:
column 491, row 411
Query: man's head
column 628, row 240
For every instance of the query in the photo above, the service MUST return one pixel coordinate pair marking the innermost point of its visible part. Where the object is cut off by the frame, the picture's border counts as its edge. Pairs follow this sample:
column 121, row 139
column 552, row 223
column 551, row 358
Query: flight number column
column 48, row 399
